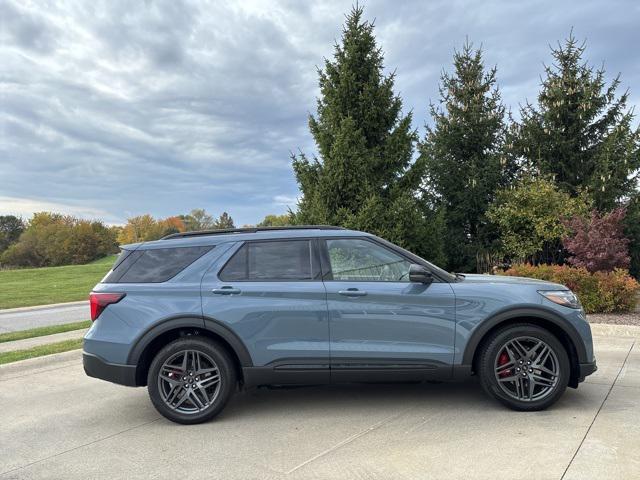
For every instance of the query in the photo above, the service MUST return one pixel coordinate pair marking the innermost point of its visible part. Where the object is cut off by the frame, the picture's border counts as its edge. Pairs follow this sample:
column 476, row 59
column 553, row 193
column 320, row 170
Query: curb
column 40, row 364
column 607, row 329
column 26, row 343
column 43, row 307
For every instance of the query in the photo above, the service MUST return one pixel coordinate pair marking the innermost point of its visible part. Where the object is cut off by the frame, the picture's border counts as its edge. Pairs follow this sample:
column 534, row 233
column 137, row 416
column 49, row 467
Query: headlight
column 566, row 298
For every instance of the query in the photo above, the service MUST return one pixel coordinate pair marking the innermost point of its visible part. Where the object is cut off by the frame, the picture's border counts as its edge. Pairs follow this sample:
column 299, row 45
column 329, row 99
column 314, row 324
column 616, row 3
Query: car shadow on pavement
column 392, row 396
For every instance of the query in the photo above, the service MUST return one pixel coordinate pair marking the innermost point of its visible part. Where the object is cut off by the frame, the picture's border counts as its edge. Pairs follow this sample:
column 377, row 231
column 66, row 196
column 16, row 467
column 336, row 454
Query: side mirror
column 419, row 274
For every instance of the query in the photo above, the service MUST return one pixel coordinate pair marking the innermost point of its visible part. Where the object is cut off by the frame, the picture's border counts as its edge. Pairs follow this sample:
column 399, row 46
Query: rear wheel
column 191, row 379
column 525, row 367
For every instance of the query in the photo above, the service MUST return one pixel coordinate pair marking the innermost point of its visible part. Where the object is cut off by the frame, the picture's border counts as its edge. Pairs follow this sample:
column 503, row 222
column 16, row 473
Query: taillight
column 100, row 301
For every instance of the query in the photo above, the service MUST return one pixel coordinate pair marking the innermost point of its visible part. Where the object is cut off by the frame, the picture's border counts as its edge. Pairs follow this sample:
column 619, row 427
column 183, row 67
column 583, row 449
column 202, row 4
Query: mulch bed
column 615, row 318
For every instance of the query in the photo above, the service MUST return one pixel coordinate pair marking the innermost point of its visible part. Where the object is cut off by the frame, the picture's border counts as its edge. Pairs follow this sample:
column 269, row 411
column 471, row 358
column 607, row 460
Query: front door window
column 364, row 261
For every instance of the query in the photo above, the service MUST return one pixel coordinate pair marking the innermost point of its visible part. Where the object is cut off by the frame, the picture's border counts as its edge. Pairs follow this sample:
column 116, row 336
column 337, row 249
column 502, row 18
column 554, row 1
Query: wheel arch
column 171, row 329
column 560, row 328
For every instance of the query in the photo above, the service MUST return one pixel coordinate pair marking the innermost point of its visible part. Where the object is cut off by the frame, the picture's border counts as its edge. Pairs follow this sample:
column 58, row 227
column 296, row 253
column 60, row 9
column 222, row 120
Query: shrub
column 529, row 218
column 52, row 239
column 599, row 292
column 11, row 228
column 632, row 232
column 598, row 243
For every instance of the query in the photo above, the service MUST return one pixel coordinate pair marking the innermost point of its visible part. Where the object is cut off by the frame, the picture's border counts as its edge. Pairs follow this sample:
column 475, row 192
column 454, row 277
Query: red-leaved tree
column 598, row 243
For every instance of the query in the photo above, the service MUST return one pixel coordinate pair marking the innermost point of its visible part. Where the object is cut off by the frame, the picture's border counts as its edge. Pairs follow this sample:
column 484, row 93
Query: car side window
column 286, row 260
column 153, row 265
column 361, row 260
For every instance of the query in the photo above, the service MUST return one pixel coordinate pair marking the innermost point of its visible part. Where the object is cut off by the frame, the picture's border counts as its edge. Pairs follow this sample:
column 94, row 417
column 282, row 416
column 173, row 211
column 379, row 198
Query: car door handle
column 226, row 291
column 352, row 292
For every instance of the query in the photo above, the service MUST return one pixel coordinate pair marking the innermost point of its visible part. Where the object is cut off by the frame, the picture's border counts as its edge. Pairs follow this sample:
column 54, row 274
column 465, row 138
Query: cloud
column 25, row 207
column 285, row 200
column 126, row 107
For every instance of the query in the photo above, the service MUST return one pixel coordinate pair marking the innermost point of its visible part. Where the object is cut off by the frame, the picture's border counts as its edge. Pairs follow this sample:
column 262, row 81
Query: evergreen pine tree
column 463, row 155
column 581, row 133
column 363, row 176
column 224, row 221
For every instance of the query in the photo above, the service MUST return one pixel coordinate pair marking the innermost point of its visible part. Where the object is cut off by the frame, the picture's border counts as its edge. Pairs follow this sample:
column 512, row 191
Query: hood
column 506, row 279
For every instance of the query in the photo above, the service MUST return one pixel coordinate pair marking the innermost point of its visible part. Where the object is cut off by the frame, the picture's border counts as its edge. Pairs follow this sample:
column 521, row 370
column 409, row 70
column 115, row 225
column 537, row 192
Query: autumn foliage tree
column 529, row 219
column 51, row 239
column 277, row 220
column 597, row 243
column 144, row 228
column 198, row 219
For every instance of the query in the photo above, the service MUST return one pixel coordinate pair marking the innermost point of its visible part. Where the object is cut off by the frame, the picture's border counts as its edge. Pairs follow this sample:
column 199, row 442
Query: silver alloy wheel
column 189, row 381
column 527, row 369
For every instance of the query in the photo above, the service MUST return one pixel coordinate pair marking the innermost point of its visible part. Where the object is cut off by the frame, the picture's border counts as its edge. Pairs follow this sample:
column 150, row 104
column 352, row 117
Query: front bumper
column 96, row 367
column 586, row 369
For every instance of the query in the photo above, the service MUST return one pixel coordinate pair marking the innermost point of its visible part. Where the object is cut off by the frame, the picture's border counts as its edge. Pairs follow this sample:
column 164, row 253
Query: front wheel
column 191, row 379
column 525, row 367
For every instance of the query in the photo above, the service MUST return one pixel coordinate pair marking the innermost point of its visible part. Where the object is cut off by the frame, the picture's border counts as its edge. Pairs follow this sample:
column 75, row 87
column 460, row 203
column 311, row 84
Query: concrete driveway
column 57, row 423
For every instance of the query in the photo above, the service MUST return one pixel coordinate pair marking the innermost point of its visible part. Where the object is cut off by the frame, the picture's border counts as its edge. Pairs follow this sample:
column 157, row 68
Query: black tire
column 212, row 356
column 502, row 382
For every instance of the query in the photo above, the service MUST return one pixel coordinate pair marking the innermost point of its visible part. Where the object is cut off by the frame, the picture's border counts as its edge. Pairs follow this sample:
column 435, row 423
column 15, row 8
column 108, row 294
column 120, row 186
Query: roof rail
column 223, row 231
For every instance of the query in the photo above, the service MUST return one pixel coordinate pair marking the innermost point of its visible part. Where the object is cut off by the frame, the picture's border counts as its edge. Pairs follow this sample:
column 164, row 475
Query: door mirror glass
column 419, row 274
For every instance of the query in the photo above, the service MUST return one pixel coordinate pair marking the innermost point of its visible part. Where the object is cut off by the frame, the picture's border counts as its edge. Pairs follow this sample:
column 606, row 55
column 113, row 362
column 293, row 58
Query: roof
column 214, row 237
column 227, row 231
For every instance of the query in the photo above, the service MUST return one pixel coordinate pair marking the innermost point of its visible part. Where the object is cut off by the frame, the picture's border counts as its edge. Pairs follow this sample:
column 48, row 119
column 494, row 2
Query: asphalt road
column 15, row 319
column 57, row 423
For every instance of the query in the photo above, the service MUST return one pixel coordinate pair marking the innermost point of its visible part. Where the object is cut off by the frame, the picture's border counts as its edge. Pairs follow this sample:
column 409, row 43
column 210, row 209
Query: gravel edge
column 615, row 318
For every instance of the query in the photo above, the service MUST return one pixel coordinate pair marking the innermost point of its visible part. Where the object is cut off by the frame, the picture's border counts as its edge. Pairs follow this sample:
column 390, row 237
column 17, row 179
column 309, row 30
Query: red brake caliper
column 503, row 359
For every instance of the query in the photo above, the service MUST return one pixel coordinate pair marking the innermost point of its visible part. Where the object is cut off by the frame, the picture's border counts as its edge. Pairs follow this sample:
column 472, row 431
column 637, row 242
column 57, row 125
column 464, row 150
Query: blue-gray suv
column 197, row 315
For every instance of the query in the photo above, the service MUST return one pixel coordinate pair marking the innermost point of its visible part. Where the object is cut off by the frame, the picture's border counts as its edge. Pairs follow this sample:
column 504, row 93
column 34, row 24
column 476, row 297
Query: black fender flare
column 541, row 313
column 202, row 323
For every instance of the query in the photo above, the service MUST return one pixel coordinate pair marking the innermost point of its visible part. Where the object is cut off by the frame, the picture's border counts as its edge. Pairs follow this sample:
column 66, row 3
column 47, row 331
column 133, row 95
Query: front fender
column 541, row 313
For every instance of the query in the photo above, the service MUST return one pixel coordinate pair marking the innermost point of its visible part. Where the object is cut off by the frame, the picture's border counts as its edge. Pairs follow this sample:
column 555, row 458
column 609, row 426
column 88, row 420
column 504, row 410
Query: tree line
column 51, row 239
column 480, row 183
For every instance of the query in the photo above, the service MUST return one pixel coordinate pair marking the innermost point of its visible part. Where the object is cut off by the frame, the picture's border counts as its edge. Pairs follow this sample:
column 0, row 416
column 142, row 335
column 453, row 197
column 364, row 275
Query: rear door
column 270, row 293
column 381, row 325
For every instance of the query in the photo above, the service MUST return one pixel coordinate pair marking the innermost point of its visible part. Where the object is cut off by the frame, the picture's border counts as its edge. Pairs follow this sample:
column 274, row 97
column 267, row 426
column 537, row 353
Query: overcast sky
column 111, row 109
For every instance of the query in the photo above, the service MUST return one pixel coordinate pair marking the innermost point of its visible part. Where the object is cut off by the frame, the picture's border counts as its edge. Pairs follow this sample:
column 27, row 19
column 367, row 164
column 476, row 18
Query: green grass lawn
column 65, row 346
column 26, row 287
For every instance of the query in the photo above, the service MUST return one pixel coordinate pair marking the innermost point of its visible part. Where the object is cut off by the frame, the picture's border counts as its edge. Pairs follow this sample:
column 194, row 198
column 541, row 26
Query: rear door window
column 287, row 260
column 154, row 265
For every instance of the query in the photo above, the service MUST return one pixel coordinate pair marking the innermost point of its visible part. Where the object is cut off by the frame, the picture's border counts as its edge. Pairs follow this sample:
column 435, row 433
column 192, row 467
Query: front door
column 271, row 295
column 382, row 326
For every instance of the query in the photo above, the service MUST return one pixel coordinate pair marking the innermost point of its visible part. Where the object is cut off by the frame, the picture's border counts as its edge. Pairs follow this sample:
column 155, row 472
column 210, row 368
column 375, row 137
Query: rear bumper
column 587, row 369
column 96, row 367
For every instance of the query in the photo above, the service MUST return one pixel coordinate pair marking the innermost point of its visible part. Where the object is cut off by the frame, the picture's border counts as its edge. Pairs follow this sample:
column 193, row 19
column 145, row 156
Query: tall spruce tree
column 463, row 155
column 581, row 132
column 363, row 176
